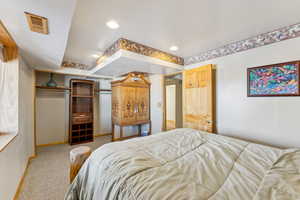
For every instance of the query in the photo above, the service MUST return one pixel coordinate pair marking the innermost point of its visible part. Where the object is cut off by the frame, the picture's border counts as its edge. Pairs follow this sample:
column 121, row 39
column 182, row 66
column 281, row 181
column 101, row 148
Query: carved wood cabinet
column 130, row 102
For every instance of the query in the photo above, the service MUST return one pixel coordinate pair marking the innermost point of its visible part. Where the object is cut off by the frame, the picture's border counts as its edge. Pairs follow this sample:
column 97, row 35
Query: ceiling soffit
column 141, row 49
column 281, row 34
column 69, row 64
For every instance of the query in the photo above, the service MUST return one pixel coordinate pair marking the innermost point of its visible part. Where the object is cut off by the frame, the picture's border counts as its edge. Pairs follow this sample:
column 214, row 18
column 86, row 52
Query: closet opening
column 172, row 101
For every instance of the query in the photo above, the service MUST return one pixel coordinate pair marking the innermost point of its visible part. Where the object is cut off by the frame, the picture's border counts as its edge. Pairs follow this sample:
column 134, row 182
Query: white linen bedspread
column 185, row 164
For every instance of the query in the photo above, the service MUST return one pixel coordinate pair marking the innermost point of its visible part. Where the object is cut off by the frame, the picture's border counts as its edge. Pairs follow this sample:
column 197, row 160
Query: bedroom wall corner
column 15, row 156
column 156, row 100
column 267, row 120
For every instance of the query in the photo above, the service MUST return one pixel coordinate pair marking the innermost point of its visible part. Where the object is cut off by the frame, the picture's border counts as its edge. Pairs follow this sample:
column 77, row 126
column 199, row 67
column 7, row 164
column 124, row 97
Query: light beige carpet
column 47, row 177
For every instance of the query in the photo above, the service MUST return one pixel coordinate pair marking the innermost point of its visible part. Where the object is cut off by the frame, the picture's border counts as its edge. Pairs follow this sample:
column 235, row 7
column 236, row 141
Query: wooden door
column 142, row 104
column 128, row 105
column 198, row 99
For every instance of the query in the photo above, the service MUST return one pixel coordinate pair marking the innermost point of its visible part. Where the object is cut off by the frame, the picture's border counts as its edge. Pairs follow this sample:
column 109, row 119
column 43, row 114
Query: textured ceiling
column 39, row 50
column 193, row 25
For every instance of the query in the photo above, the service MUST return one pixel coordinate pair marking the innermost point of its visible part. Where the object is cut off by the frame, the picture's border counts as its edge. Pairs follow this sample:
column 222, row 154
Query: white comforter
column 185, row 164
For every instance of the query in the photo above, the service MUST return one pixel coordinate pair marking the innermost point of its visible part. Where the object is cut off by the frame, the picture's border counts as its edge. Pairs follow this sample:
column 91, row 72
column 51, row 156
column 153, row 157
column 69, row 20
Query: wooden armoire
column 130, row 103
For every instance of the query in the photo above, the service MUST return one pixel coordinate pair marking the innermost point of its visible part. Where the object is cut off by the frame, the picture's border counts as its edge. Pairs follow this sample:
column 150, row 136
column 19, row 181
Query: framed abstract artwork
column 274, row 80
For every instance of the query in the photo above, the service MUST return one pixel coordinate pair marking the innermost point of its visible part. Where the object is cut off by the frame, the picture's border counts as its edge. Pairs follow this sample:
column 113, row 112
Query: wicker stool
column 77, row 158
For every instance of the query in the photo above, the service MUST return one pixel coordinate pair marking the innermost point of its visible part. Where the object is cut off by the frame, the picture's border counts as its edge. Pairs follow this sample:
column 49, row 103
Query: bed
column 186, row 164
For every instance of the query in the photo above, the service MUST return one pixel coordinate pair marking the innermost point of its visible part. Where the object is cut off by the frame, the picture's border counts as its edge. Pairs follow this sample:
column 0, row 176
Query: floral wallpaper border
column 109, row 51
column 271, row 37
column 140, row 49
column 69, row 64
column 278, row 35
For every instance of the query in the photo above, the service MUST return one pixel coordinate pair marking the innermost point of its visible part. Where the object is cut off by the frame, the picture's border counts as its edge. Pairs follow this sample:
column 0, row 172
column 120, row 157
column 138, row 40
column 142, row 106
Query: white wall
column 26, row 104
column 13, row 159
column 50, row 111
column 156, row 101
column 104, row 111
column 171, row 102
column 269, row 120
column 103, row 101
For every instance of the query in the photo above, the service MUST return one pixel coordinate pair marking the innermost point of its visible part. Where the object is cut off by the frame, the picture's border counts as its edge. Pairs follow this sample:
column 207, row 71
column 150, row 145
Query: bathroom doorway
column 172, row 101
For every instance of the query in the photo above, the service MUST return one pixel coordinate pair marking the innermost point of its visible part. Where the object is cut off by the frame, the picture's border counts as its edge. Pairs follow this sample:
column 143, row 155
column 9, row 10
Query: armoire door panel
column 116, row 104
column 128, row 106
column 142, row 104
column 198, row 98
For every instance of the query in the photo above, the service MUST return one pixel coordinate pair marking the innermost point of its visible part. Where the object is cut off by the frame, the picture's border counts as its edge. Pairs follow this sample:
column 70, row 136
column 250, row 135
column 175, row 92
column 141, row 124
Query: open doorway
column 172, row 101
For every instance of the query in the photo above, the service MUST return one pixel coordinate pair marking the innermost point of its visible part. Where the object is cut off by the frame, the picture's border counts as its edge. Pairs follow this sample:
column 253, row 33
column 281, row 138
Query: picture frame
column 282, row 79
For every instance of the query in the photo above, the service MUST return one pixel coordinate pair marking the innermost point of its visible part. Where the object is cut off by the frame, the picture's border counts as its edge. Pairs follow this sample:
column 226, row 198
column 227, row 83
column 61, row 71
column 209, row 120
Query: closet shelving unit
column 81, row 111
column 81, row 100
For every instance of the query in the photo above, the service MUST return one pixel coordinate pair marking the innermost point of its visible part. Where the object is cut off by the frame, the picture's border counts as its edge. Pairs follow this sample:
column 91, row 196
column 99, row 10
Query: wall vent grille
column 37, row 23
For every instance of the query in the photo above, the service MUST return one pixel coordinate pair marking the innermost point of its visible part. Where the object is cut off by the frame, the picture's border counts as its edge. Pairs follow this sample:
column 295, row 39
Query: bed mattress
column 186, row 164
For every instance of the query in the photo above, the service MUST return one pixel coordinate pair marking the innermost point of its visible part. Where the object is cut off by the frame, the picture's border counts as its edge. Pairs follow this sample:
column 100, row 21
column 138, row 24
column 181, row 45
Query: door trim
column 164, row 98
column 213, row 93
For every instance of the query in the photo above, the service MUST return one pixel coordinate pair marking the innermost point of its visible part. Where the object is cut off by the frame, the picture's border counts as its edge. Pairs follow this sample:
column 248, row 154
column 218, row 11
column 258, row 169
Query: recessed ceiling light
column 174, row 48
column 95, row 55
column 112, row 24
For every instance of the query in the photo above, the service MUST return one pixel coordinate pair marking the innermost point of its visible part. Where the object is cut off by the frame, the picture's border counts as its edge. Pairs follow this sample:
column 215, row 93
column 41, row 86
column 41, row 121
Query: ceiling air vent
column 37, row 23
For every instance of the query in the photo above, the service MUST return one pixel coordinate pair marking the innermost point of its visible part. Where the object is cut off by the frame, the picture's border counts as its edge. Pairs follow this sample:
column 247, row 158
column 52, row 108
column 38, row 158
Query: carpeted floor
column 47, row 177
